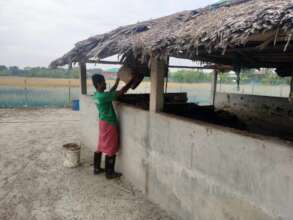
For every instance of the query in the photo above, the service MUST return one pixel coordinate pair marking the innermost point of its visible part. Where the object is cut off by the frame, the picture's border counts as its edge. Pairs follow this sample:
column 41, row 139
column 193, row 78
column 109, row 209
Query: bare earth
column 35, row 185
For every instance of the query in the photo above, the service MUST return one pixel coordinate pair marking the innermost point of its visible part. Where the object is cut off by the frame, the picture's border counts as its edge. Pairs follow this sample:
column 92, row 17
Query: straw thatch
column 251, row 33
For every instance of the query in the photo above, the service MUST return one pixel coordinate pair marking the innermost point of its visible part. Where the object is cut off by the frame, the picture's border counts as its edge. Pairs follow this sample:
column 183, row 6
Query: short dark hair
column 97, row 79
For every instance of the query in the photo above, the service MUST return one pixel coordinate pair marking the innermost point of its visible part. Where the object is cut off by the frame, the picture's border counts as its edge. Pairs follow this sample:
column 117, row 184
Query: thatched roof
column 251, row 33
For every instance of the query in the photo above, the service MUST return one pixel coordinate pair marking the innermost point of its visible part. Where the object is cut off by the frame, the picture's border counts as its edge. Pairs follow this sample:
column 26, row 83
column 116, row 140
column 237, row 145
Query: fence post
column 214, row 87
column 69, row 93
column 291, row 90
column 220, row 84
column 25, row 92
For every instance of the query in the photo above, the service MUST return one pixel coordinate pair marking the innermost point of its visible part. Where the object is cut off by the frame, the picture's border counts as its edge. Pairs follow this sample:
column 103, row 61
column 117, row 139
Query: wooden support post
column 238, row 80
column 158, row 71
column 214, row 86
column 291, row 90
column 167, row 75
column 83, row 80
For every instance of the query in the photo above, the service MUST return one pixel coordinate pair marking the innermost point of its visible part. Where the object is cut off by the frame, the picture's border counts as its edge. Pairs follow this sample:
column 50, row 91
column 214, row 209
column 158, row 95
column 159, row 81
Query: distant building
column 110, row 73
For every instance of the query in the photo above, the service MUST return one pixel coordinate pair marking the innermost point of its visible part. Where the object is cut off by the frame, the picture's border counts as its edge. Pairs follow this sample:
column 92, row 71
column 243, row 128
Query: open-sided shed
column 195, row 169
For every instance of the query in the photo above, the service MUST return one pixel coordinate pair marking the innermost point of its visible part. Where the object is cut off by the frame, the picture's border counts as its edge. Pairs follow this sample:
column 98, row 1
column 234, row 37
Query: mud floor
column 35, row 185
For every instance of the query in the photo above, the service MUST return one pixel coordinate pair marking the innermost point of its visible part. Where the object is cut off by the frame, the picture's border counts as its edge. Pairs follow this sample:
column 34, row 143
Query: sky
column 35, row 32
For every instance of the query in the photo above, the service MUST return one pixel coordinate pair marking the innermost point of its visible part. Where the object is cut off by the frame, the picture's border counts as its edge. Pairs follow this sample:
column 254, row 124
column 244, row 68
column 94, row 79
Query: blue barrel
column 75, row 105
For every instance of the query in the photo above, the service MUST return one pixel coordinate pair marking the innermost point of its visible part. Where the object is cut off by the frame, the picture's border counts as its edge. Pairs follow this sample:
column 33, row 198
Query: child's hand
column 115, row 85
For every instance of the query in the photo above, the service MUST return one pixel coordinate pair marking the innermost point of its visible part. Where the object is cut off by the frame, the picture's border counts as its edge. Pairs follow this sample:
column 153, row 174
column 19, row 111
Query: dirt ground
column 34, row 185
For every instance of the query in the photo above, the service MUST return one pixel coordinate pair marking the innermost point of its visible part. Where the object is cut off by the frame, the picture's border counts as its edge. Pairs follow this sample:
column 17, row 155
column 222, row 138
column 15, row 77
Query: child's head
column 99, row 82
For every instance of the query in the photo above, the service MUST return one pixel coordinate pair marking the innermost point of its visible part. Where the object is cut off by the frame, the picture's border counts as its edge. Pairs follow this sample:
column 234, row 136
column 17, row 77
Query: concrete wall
column 199, row 171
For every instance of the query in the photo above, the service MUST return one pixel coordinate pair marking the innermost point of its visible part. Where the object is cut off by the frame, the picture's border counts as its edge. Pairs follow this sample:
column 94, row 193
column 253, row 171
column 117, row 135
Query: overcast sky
column 35, row 32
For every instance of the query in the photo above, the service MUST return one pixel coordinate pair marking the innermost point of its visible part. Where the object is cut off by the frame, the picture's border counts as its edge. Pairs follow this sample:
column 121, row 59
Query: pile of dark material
column 206, row 114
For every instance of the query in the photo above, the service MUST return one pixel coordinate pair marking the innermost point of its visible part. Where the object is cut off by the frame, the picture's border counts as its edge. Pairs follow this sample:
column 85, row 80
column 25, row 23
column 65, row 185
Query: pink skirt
column 108, row 138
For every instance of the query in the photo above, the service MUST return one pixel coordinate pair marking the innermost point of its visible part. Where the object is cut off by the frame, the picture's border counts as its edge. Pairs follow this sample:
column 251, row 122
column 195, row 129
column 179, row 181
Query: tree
column 3, row 68
column 14, row 70
column 190, row 76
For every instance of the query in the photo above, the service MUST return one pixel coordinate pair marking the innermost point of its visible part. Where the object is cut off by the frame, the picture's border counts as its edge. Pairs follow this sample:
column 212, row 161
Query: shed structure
column 193, row 168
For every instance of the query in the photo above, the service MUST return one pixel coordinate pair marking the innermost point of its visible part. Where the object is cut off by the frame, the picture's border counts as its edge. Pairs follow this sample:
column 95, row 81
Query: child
column 108, row 132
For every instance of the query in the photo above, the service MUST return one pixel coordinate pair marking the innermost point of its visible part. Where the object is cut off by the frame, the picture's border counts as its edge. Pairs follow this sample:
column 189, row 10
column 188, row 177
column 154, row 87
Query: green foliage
column 43, row 72
column 15, row 70
column 267, row 76
column 190, row 76
column 272, row 78
column 227, row 78
column 264, row 76
column 3, row 70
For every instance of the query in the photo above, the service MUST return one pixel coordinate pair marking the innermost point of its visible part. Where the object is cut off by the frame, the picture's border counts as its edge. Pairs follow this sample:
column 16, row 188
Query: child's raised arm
column 114, row 87
column 125, row 88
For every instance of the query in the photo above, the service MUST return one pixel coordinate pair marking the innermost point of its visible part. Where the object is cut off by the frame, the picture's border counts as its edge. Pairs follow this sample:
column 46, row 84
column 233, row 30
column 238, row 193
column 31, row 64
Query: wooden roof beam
column 211, row 67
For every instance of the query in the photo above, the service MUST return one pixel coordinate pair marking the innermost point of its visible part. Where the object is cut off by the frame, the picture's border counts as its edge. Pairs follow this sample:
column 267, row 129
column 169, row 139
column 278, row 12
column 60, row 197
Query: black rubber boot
column 110, row 168
column 97, row 163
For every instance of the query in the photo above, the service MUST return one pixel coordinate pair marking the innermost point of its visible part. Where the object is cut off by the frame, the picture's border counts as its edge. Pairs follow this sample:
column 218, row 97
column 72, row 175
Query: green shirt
column 104, row 104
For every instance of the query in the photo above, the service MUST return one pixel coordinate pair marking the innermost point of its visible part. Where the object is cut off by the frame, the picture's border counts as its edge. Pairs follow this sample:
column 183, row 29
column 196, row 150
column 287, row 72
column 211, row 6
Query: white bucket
column 71, row 155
